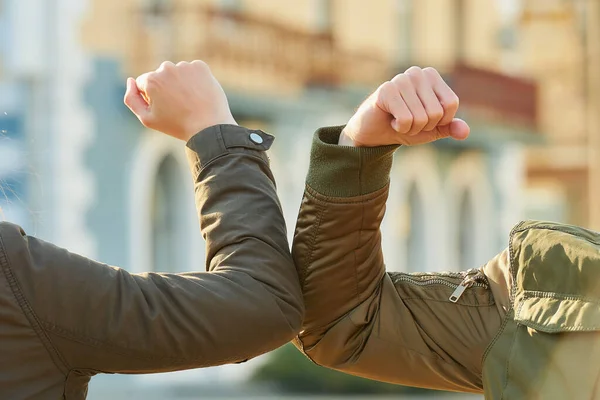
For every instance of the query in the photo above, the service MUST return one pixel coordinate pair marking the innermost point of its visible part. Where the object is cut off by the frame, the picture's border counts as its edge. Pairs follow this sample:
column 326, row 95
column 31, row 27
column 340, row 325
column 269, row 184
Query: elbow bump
column 296, row 319
column 329, row 352
column 293, row 321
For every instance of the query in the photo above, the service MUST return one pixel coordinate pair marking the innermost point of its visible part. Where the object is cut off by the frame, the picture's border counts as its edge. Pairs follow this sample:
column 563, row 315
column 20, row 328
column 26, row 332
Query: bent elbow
column 328, row 349
column 293, row 317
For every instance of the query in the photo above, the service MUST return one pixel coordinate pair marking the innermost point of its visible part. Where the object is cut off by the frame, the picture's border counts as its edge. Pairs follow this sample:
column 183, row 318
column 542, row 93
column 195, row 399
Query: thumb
column 135, row 101
column 457, row 129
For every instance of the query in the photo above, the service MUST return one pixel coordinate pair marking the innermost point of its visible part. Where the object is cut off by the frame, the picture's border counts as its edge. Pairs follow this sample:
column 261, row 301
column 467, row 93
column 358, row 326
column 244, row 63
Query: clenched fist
column 415, row 107
column 179, row 100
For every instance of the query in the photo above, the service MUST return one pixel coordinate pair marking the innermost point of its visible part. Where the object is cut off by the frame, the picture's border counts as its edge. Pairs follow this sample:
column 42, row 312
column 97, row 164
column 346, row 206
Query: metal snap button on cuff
column 256, row 138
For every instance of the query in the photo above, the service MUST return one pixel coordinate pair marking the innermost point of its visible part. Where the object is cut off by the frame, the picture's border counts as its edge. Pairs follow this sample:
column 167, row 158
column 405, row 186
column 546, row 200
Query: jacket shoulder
column 11, row 235
column 555, row 258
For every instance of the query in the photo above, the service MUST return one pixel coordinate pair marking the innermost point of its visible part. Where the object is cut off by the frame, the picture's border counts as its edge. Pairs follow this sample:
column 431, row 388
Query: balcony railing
column 497, row 96
column 252, row 53
column 250, row 48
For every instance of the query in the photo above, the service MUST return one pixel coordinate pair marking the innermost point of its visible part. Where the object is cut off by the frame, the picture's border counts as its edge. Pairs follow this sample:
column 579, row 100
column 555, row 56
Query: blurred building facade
column 558, row 46
column 291, row 68
column 83, row 173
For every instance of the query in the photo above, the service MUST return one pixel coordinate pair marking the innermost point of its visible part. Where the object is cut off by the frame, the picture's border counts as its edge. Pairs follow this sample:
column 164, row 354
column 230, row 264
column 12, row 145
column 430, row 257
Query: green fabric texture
column 568, row 257
column 343, row 171
column 549, row 346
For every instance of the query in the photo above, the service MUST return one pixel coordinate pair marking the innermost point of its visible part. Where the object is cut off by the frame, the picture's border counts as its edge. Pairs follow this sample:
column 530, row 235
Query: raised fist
column 179, row 100
column 415, row 107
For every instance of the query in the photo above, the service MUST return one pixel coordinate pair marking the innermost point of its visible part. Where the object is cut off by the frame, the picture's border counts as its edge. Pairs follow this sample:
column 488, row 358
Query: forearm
column 337, row 243
column 101, row 318
column 243, row 224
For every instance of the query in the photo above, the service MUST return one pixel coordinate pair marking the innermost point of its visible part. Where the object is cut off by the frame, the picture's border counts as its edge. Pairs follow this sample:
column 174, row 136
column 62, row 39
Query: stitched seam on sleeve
column 311, row 248
column 360, row 230
column 92, row 342
column 28, row 311
column 139, row 355
column 356, row 277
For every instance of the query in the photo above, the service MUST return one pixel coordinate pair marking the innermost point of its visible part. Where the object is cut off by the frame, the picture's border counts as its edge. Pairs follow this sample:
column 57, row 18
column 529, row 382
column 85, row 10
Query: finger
column 392, row 103
column 410, row 97
column 417, row 110
column 459, row 129
column 428, row 98
column 446, row 96
column 456, row 129
column 133, row 98
column 166, row 66
column 146, row 84
column 136, row 102
column 432, row 106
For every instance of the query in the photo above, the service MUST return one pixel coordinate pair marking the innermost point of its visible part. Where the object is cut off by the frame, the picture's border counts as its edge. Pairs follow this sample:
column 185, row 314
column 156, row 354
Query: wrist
column 197, row 128
column 345, row 140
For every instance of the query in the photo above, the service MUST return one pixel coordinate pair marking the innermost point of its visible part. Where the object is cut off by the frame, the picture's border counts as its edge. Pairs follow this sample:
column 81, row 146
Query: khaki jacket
column 524, row 326
column 65, row 318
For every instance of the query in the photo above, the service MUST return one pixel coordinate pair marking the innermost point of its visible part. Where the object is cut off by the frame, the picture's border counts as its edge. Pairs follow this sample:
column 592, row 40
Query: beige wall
column 367, row 26
column 375, row 27
column 551, row 51
column 433, row 33
column 299, row 14
column 482, row 44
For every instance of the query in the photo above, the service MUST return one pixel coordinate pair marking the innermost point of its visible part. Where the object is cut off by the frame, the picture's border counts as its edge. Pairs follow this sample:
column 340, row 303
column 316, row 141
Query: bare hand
column 415, row 107
column 179, row 100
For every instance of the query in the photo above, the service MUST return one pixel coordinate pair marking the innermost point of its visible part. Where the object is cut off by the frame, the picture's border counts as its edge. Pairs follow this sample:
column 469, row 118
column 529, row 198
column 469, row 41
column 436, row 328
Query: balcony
column 495, row 96
column 247, row 52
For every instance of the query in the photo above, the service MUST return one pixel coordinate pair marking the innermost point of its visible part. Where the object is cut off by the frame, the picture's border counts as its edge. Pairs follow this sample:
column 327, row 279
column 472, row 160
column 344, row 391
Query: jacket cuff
column 343, row 171
column 219, row 140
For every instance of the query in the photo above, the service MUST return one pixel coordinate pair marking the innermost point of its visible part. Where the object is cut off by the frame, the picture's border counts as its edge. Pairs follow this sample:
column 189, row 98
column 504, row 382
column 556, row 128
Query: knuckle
column 414, row 70
column 436, row 113
column 402, row 81
column 415, row 73
column 200, row 64
column 420, row 120
column 432, row 72
column 398, row 78
column 166, row 65
column 152, row 80
column 384, row 90
column 405, row 123
column 452, row 103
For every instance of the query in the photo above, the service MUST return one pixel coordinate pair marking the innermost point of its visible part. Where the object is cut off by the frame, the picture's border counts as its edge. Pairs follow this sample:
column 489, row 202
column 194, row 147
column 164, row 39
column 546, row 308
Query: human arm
column 97, row 318
column 394, row 327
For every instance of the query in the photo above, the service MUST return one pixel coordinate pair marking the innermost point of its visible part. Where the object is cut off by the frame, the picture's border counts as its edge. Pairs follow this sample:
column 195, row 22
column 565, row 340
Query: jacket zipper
column 471, row 278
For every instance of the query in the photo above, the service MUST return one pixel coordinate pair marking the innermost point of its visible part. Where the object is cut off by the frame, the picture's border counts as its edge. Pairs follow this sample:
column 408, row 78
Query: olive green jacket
column 64, row 318
column 524, row 326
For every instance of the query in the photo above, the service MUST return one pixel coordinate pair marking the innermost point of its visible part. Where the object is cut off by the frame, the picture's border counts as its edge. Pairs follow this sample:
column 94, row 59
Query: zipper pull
column 464, row 285
column 460, row 289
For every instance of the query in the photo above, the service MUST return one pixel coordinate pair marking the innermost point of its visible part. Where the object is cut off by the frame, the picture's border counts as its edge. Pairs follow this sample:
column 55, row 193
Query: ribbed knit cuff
column 343, row 171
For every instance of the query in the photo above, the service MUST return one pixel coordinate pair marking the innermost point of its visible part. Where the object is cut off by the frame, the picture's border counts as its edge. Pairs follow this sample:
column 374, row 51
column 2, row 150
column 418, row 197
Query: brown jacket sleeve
column 94, row 317
column 399, row 328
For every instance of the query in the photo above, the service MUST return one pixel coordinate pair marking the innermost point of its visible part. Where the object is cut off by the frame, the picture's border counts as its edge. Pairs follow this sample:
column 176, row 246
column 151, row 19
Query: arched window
column 415, row 239
column 467, row 241
column 169, row 233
